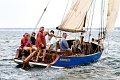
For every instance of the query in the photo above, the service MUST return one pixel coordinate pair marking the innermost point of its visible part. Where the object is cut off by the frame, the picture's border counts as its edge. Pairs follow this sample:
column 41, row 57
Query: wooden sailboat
column 75, row 22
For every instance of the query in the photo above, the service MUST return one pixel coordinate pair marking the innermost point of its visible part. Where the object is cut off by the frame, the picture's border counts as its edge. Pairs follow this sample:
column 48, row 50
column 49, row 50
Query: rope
column 41, row 15
column 91, row 20
column 103, row 34
column 65, row 11
column 63, row 17
column 89, row 50
column 70, row 14
column 101, row 19
column 101, row 30
column 87, row 19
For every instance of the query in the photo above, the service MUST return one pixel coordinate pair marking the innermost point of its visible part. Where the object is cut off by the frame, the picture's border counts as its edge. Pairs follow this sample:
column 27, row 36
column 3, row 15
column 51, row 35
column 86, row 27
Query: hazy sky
column 25, row 13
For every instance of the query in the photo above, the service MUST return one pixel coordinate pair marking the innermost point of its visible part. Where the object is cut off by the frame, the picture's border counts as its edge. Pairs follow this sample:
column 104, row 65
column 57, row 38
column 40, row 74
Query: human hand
column 42, row 45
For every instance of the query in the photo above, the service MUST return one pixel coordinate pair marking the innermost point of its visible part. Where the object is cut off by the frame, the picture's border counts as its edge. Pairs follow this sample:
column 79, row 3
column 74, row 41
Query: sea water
column 106, row 68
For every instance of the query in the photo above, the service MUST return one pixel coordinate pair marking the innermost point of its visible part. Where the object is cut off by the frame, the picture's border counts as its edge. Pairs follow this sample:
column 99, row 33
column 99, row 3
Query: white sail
column 113, row 8
column 75, row 19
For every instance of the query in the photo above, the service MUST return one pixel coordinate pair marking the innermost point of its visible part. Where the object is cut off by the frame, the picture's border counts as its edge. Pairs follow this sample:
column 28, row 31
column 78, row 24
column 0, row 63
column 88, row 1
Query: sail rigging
column 76, row 17
column 113, row 8
column 42, row 15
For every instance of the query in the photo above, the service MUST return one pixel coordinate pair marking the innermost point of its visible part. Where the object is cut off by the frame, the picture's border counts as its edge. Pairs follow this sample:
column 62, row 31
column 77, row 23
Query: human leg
column 38, row 54
column 44, row 54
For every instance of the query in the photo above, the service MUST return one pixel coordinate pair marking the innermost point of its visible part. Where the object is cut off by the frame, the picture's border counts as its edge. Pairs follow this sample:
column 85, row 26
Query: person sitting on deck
column 25, row 44
column 98, row 42
column 25, row 40
column 32, row 38
column 63, row 42
column 76, row 48
column 64, row 45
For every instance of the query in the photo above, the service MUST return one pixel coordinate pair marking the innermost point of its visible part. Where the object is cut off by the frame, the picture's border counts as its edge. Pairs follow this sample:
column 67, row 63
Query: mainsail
column 113, row 8
column 76, row 17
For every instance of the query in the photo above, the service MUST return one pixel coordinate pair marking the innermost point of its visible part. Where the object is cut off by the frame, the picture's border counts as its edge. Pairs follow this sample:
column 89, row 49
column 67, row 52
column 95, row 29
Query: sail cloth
column 76, row 17
column 113, row 8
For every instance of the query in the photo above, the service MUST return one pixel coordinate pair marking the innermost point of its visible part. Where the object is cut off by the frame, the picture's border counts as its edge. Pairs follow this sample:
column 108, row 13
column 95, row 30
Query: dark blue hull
column 71, row 61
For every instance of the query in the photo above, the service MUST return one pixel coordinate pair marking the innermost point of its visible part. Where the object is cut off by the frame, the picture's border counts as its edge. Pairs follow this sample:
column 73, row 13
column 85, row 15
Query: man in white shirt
column 52, row 41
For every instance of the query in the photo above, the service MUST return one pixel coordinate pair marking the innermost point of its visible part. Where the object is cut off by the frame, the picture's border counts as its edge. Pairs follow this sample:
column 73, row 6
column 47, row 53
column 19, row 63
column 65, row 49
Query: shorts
column 43, row 47
column 40, row 48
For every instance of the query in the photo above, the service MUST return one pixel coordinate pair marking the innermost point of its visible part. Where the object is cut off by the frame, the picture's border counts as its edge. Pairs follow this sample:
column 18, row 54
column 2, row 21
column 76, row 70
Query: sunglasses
column 27, row 35
column 33, row 34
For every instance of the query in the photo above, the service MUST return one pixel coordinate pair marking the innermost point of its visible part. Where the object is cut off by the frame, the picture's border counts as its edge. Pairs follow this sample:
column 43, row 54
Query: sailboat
column 77, row 21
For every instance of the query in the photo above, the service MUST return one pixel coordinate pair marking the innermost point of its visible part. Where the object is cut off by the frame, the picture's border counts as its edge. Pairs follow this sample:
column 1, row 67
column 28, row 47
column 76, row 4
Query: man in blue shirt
column 63, row 43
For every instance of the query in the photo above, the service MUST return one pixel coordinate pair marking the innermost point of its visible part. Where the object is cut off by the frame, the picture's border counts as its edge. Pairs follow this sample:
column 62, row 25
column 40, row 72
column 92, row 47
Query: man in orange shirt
column 41, row 43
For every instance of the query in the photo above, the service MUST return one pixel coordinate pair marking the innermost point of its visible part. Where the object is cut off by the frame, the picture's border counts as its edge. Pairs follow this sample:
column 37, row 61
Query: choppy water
column 107, row 68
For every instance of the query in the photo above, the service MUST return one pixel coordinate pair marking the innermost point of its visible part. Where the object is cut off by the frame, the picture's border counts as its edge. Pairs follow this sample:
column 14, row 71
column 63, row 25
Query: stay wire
column 88, row 18
column 91, row 20
column 65, row 11
column 68, row 17
column 64, row 16
column 41, row 15
column 101, row 19
column 93, row 6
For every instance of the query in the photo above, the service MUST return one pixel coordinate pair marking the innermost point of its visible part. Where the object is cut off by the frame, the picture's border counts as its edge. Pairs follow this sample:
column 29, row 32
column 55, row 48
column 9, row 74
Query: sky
column 25, row 13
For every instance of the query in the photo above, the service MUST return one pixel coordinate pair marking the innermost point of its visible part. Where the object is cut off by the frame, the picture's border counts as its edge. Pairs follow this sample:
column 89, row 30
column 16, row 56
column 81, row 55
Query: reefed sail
column 113, row 8
column 76, row 17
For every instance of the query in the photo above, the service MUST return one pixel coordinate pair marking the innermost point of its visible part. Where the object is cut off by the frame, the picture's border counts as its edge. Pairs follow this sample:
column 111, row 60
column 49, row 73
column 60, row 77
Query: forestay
column 76, row 17
column 113, row 8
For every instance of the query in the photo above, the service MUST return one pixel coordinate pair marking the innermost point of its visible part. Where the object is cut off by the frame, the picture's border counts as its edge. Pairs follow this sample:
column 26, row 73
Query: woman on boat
column 26, row 45
column 25, row 40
